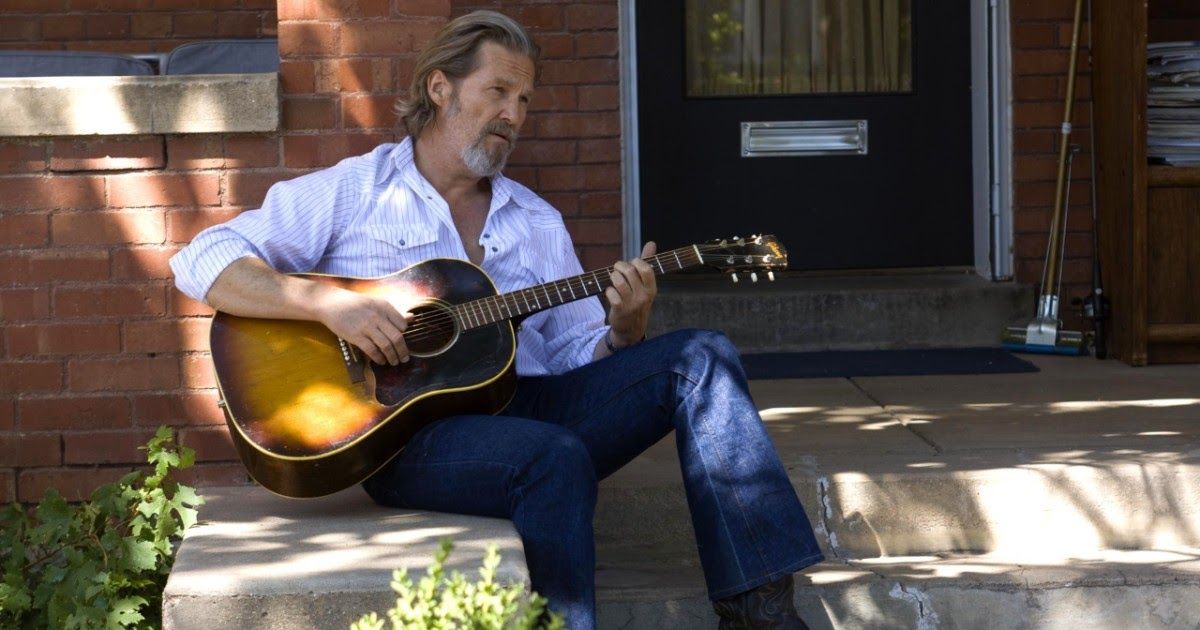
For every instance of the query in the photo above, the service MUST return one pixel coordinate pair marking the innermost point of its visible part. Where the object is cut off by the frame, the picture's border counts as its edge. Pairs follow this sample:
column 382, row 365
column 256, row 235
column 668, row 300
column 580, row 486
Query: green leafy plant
column 101, row 563
column 441, row 602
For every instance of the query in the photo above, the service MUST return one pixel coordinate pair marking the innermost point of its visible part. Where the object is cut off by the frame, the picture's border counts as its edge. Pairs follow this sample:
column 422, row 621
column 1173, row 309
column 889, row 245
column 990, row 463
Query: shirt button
column 494, row 249
column 485, row 235
column 401, row 241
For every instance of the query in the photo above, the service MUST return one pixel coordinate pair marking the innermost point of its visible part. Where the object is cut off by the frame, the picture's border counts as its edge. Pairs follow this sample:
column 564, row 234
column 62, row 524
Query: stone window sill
column 78, row 106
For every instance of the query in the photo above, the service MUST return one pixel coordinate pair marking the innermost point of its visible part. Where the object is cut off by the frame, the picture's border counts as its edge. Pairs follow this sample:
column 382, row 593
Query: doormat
column 842, row 364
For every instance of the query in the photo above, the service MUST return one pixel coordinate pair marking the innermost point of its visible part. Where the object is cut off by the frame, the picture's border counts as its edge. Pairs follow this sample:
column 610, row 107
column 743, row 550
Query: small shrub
column 104, row 562
column 440, row 602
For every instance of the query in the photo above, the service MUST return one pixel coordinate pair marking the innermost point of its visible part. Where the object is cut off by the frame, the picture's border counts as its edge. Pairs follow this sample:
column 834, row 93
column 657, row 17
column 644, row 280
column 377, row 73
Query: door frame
column 991, row 136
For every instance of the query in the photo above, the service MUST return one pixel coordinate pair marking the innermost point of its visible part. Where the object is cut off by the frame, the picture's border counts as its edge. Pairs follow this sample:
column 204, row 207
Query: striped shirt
column 374, row 214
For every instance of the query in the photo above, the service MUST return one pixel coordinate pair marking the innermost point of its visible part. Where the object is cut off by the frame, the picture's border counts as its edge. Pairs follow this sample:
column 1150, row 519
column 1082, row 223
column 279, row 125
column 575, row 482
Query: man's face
column 487, row 108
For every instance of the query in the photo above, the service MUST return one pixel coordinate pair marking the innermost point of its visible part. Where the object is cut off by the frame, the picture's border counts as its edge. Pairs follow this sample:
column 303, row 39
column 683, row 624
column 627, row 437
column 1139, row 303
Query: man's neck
column 445, row 171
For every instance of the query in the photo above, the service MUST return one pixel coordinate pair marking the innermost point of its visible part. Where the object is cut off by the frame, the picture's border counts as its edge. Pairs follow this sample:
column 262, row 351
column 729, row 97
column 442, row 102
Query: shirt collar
column 399, row 161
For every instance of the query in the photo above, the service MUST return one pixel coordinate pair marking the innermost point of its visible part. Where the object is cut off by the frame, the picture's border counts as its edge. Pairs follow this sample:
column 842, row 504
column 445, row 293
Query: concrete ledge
column 73, row 106
column 257, row 560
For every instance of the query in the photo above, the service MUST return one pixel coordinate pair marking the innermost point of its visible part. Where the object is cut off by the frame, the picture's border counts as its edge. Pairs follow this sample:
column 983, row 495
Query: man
column 590, row 396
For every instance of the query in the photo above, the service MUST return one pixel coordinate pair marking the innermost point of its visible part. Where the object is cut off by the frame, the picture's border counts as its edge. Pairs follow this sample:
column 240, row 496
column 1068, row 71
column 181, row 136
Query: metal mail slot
column 804, row 137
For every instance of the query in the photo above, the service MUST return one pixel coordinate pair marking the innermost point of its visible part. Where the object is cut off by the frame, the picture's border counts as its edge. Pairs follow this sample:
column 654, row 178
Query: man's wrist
column 612, row 347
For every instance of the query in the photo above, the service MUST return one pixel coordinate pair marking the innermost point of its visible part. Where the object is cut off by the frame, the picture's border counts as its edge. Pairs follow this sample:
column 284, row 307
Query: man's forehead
column 506, row 66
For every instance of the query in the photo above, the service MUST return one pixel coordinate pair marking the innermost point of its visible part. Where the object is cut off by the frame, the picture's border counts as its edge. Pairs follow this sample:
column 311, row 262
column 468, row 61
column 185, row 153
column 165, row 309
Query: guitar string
column 427, row 326
column 443, row 315
column 432, row 325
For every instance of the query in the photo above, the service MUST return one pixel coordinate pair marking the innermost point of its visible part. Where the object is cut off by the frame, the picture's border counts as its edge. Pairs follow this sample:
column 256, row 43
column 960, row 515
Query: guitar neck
column 492, row 309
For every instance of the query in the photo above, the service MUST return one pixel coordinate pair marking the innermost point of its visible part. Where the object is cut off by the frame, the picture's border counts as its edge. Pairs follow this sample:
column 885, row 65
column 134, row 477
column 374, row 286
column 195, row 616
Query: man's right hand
column 370, row 323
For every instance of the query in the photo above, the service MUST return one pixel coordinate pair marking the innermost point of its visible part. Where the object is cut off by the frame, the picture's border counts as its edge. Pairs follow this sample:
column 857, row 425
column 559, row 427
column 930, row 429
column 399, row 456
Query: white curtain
column 749, row 47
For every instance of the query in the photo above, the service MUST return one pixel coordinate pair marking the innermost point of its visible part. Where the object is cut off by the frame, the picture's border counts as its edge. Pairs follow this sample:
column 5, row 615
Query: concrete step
column 257, row 560
column 1084, row 455
column 641, row 589
column 857, row 312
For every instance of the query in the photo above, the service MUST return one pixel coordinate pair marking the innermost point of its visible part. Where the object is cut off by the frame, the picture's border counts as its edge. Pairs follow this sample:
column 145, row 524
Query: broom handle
column 1050, row 279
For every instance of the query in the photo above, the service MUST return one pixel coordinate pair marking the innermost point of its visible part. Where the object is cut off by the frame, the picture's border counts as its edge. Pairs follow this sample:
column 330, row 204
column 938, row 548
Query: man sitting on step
column 590, row 397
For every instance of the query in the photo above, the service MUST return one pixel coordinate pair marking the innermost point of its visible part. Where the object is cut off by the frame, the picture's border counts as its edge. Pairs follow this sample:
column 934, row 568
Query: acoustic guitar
column 310, row 414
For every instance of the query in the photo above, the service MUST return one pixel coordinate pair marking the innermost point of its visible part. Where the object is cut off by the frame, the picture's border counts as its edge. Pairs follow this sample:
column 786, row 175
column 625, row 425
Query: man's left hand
column 630, row 297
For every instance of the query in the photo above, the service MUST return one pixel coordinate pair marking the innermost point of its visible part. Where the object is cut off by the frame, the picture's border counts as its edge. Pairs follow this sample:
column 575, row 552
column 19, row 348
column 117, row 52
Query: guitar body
column 311, row 415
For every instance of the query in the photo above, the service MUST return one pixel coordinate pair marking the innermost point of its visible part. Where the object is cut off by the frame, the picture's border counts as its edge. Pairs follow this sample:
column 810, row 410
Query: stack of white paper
column 1173, row 105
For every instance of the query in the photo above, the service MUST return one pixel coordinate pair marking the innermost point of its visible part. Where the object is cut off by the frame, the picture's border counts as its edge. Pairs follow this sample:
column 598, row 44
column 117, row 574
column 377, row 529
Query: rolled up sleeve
column 572, row 330
column 290, row 232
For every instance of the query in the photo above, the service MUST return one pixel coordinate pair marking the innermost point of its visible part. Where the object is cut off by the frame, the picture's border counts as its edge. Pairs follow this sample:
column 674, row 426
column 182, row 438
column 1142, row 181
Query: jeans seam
column 769, row 577
column 627, row 388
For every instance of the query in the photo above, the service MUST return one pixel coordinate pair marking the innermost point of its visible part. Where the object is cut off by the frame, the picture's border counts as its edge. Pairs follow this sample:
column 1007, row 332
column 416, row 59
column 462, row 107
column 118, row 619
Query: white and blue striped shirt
column 374, row 214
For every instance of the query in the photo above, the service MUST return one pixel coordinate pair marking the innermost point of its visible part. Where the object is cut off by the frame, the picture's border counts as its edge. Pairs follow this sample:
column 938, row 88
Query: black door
column 705, row 67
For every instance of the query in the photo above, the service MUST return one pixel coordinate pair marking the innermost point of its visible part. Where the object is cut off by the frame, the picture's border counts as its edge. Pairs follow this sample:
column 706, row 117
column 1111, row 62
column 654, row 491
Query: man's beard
column 480, row 160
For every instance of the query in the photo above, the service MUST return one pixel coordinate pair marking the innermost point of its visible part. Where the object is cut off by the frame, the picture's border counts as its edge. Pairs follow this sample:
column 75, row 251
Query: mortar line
column 937, row 450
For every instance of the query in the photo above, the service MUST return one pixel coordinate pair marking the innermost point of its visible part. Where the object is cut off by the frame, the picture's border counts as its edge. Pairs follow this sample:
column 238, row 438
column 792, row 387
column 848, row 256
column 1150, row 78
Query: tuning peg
column 771, row 276
column 753, row 277
column 734, row 276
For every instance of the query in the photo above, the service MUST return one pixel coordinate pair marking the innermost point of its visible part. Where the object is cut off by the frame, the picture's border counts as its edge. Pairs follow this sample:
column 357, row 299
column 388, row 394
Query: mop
column 1044, row 334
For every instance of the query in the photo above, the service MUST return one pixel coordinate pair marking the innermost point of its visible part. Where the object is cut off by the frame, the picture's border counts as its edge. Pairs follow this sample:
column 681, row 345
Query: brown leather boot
column 768, row 606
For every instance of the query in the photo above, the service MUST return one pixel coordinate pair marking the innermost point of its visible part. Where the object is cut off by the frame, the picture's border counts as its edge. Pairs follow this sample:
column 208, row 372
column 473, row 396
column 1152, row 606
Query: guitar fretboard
column 497, row 308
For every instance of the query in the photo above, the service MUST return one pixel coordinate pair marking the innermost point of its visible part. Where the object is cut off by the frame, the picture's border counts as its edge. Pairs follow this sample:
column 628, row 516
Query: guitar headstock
column 753, row 254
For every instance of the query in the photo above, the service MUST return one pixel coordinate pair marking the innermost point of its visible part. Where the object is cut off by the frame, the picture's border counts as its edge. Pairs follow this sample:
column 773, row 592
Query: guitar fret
column 547, row 292
column 677, row 261
column 526, row 298
column 492, row 315
column 571, row 289
column 660, row 267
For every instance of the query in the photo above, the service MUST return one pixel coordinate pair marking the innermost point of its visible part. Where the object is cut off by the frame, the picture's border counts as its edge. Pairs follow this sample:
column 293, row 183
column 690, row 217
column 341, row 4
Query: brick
column 1034, row 35
column 251, row 151
column 579, row 177
column 22, row 157
column 543, row 17
column 600, row 150
column 50, row 339
column 24, row 230
column 197, row 371
column 195, row 408
column 600, row 204
column 590, row 125
column 19, row 29
column 575, row 71
column 249, row 188
column 14, row 268
column 369, row 112
column 136, row 190
column 178, row 335
column 211, row 444
column 74, row 484
column 597, row 257
column 8, row 486
column 309, row 113
column 377, row 38
column 297, row 77
column 24, row 377
column 583, row 17
column 554, row 98
column 424, row 8
column 597, row 44
column 184, row 225
column 1045, row 10
column 62, row 27
column 70, row 413
column 124, row 374
column 107, row 26
column 151, row 25
column 194, row 24
column 213, row 474
column 24, row 304
column 1053, row 61
column 554, row 45
column 328, row 149
column 8, row 414
column 307, row 38
column 184, row 306
column 594, row 231
column 143, row 263
column 30, row 449
column 238, row 25
column 51, row 193
column 567, row 203
column 106, row 154
column 105, row 447
column 109, row 301
column 67, row 265
column 194, row 152
column 355, row 75
column 543, row 152
column 108, row 228
column 598, row 97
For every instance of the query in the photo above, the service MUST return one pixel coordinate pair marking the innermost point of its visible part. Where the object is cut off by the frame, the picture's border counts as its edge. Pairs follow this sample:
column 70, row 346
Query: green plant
column 102, row 563
column 440, row 602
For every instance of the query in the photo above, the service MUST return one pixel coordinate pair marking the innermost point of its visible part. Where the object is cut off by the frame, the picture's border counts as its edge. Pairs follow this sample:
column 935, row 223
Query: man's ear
column 438, row 86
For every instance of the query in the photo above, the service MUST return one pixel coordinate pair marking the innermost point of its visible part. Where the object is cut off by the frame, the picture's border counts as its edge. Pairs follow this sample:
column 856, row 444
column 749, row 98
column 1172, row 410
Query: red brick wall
column 1041, row 42
column 129, row 26
column 98, row 346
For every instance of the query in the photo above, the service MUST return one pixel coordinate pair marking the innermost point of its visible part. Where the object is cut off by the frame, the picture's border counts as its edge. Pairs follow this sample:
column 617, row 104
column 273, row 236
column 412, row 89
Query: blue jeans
column 538, row 462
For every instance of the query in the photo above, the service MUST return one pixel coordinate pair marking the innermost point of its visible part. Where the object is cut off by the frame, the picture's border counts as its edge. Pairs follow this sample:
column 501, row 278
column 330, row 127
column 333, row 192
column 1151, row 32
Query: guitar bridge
column 354, row 363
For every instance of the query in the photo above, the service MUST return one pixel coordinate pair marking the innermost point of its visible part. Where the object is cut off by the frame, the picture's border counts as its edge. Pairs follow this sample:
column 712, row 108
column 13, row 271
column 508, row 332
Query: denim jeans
column 537, row 462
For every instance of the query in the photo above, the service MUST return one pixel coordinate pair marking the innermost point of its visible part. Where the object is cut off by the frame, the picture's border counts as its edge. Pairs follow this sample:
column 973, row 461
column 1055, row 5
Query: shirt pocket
column 392, row 246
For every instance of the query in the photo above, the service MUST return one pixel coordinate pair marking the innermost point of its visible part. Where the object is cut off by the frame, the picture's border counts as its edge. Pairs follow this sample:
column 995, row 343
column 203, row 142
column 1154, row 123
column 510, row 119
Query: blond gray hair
column 453, row 51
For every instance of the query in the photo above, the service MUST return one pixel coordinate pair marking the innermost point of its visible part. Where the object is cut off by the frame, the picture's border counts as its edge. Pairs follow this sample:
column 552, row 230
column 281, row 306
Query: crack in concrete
column 937, row 450
column 826, row 515
column 925, row 620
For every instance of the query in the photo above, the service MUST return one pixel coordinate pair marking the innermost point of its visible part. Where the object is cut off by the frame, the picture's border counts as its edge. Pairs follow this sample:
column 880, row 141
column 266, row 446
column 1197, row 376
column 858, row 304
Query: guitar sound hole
column 431, row 330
